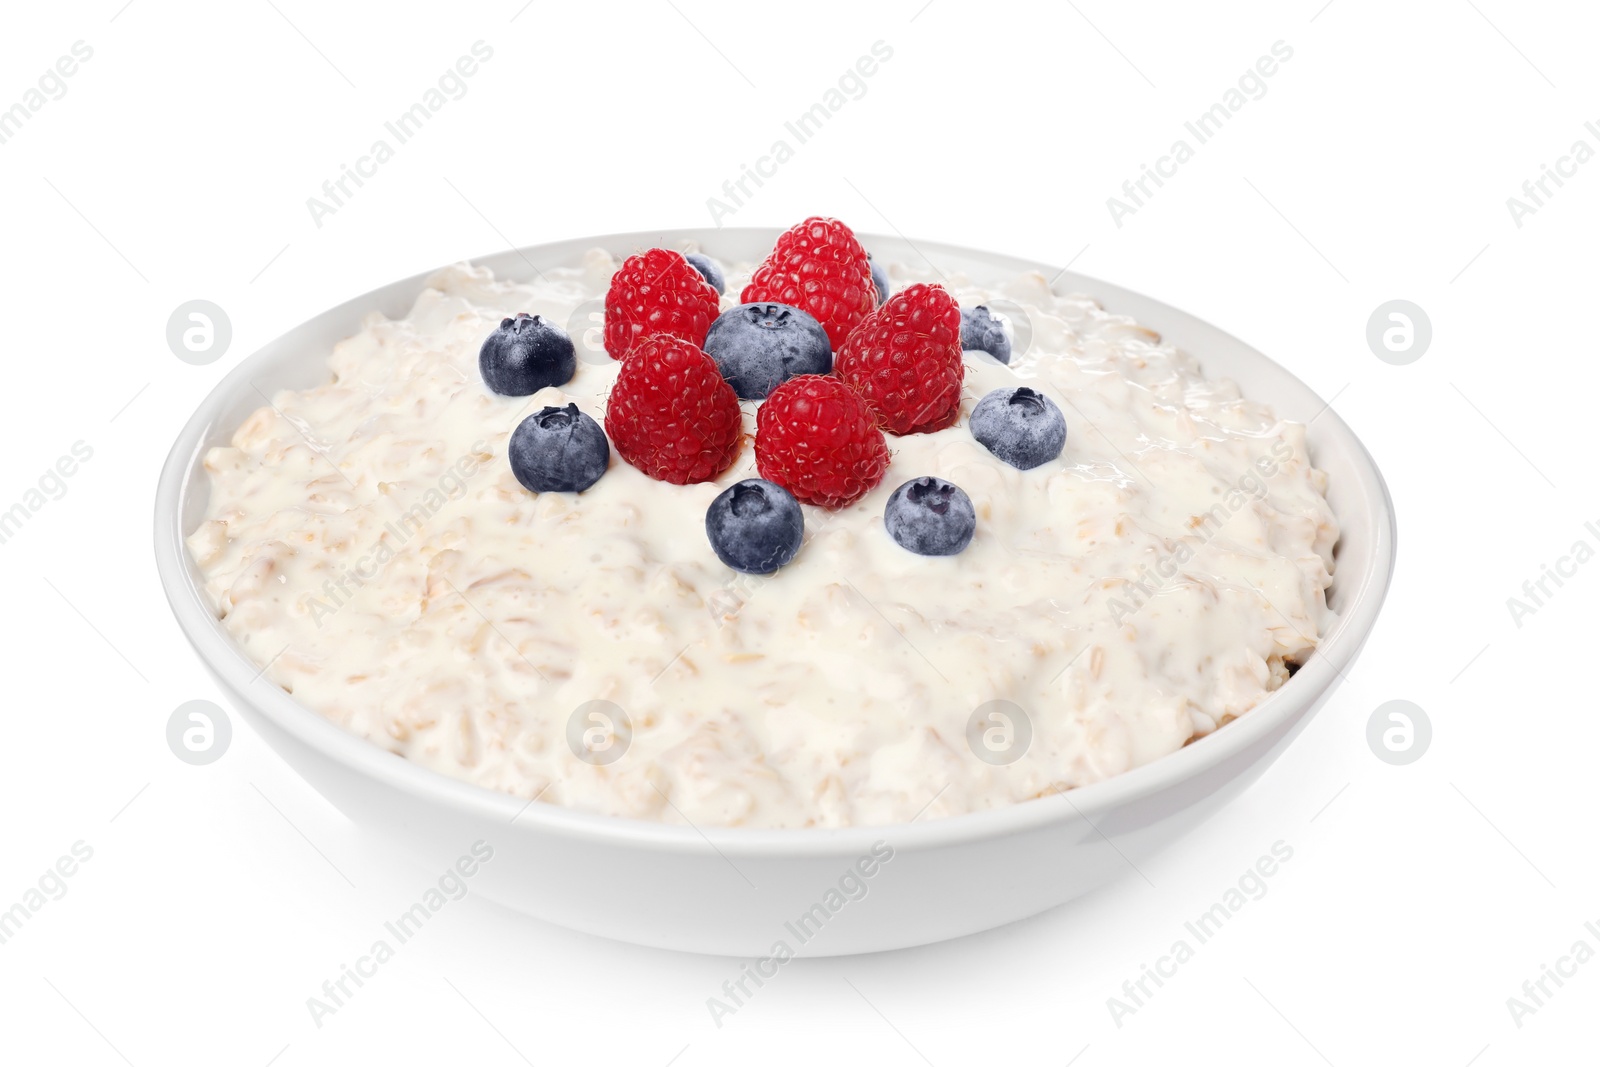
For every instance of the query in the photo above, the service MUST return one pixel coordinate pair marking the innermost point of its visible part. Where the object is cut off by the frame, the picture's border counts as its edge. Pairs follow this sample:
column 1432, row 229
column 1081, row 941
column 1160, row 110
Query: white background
column 1377, row 166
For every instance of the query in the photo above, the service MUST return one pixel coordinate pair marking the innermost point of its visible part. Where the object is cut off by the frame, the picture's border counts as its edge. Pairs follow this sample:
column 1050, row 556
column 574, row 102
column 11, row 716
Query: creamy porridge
column 368, row 542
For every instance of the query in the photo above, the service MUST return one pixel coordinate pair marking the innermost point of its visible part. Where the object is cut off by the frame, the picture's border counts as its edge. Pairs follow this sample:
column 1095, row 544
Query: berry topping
column 816, row 437
column 1021, row 426
column 755, row 526
column 820, row 268
column 670, row 413
column 930, row 517
column 524, row 355
column 558, row 450
column 880, row 279
column 906, row 360
column 657, row 292
column 758, row 346
column 709, row 269
column 982, row 331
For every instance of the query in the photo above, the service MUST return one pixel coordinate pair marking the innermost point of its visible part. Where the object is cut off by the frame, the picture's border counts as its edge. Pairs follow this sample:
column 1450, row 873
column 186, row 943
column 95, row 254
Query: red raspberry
column 657, row 292
column 905, row 359
column 671, row 414
column 820, row 268
column 816, row 437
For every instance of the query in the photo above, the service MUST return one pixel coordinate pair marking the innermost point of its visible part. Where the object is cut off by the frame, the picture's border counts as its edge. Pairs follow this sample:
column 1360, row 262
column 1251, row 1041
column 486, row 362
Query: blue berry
column 709, row 268
column 982, row 331
column 755, row 526
column 760, row 346
column 558, row 450
column 930, row 517
column 1021, row 426
column 526, row 354
column 880, row 279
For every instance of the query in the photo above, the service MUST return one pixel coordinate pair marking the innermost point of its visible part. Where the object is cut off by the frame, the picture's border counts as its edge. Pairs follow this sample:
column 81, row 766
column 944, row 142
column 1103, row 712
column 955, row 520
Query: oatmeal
column 367, row 541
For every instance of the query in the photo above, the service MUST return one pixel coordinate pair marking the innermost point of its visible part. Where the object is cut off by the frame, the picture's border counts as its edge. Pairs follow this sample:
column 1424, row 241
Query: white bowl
column 741, row 892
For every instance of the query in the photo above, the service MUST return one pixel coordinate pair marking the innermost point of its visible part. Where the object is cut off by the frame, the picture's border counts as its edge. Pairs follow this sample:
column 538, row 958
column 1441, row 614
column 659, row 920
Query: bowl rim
column 1364, row 591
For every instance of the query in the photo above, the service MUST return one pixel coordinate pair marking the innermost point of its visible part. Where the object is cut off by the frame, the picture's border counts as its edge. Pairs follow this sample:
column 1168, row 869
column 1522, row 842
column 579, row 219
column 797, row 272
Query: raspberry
column 816, row 437
column 820, row 268
column 905, row 359
column 657, row 292
column 670, row 413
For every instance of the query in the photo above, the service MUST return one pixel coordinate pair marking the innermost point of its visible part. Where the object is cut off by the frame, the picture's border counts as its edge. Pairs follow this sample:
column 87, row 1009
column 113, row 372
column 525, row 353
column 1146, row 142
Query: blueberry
column 558, row 450
column 983, row 332
column 759, row 346
column 930, row 517
column 524, row 355
column 1021, row 426
column 709, row 268
column 880, row 279
column 755, row 526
